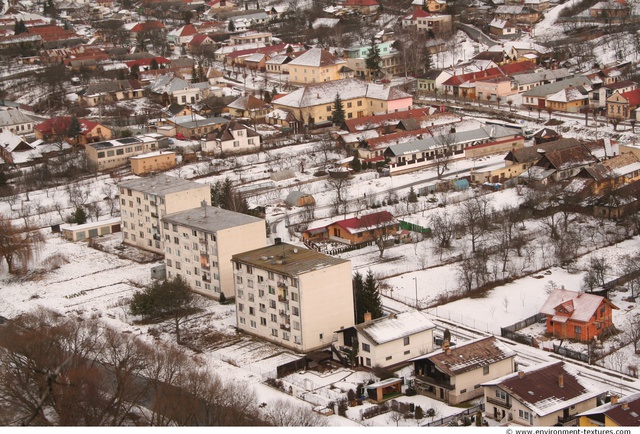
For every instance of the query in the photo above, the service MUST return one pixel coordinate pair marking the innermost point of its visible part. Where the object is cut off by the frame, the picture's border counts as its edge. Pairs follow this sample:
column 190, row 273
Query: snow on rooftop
column 398, row 326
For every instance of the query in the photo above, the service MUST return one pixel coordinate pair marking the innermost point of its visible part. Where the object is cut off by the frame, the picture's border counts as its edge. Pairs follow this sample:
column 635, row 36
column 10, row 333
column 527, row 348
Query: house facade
column 545, row 395
column 617, row 412
column 577, row 315
column 112, row 91
column 144, row 201
column 15, row 121
column 200, row 242
column 287, row 295
column 56, row 128
column 385, row 341
column 315, row 66
column 234, row 137
column 455, row 374
column 622, row 105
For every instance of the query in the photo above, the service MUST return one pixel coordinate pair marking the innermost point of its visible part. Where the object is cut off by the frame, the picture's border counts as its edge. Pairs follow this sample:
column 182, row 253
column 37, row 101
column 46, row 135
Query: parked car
column 180, row 136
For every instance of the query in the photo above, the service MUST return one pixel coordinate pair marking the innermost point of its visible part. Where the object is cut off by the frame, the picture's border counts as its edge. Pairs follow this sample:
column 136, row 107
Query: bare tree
column 444, row 151
column 443, row 226
column 476, row 218
column 632, row 332
column 286, row 413
column 595, row 274
column 18, row 246
column 340, row 186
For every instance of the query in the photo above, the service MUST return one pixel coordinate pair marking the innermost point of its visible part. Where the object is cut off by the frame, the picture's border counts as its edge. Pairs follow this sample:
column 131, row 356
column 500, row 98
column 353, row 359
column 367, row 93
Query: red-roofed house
column 465, row 84
column 356, row 230
column 220, row 5
column 201, row 43
column 181, row 36
column 147, row 26
column 57, row 128
column 623, row 105
column 363, row 6
column 423, row 21
column 145, row 64
column 577, row 315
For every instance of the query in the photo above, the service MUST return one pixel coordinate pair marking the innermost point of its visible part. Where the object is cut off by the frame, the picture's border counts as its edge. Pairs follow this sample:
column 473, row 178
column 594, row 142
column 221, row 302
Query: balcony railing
column 506, row 404
column 435, row 382
column 285, row 326
column 283, row 298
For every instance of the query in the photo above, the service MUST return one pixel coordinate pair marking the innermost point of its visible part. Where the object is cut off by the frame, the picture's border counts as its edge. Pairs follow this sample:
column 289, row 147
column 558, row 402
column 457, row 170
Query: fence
column 571, row 353
column 509, row 332
column 446, row 421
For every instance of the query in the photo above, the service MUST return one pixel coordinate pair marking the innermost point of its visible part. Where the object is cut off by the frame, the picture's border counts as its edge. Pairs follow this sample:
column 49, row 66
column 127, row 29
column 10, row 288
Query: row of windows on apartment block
column 273, row 316
column 150, row 197
column 272, row 302
column 198, row 284
column 270, row 275
column 133, row 238
column 286, row 336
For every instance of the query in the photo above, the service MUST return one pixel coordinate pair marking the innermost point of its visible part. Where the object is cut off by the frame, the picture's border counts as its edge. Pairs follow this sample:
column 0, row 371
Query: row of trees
column 60, row 371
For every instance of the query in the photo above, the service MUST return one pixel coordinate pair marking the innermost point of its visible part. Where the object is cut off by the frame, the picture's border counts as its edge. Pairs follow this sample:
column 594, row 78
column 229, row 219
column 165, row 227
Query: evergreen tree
column 224, row 196
column 428, row 63
column 135, row 71
column 232, row 26
column 74, row 129
column 194, row 74
column 201, row 74
column 356, row 165
column 289, row 49
column 153, row 64
column 358, row 293
column 80, row 216
column 413, row 197
column 121, row 74
column 371, row 296
column 373, row 60
column 337, row 116
column 20, row 27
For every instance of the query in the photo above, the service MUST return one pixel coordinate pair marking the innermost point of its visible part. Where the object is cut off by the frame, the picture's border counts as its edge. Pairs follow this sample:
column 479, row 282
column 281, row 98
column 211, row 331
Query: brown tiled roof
column 574, row 156
column 531, row 154
column 225, row 133
column 547, row 389
column 354, row 125
column 470, row 356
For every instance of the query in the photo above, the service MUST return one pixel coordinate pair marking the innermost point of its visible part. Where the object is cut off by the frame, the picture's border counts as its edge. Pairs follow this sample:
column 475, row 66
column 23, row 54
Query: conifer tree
column 338, row 111
column 372, row 300
column 373, row 60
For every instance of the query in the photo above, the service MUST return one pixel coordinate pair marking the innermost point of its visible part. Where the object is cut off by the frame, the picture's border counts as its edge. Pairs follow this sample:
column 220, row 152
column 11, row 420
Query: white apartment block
column 199, row 243
column 292, row 296
column 144, row 201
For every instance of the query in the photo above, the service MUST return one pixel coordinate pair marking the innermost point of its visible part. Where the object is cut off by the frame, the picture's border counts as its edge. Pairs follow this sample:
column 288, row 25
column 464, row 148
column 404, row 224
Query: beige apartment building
column 144, row 201
column 157, row 161
column 114, row 153
column 200, row 242
column 292, row 296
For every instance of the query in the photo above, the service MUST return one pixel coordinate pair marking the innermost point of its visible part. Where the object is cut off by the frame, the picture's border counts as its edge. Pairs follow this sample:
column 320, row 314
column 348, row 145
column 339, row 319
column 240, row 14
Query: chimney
column 520, row 374
column 561, row 381
column 614, row 399
column 367, row 316
column 447, row 351
column 278, row 240
column 625, row 406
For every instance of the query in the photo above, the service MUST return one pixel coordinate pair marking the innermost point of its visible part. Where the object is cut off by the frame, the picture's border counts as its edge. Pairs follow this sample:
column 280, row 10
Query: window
column 366, row 347
column 294, row 296
column 263, row 321
column 295, row 311
column 485, row 370
column 389, row 358
column 270, row 275
column 285, row 336
column 523, row 414
column 407, row 352
column 169, row 263
column 367, row 361
column 272, row 304
column 274, row 317
column 296, row 325
column 577, row 330
column 501, row 394
column 406, row 340
column 274, row 332
column 253, row 324
column 328, row 108
column 239, row 280
column 260, row 279
column 243, row 320
column 252, row 310
column 321, row 336
column 178, row 265
column 272, row 290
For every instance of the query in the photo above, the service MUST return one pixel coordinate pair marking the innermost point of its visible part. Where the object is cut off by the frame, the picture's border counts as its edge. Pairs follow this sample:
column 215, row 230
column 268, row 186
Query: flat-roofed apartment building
column 294, row 297
column 200, row 242
column 115, row 153
column 144, row 201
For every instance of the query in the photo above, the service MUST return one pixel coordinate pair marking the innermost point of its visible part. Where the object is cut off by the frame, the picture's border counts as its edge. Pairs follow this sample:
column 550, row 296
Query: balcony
column 500, row 403
column 435, row 382
column 285, row 326
column 283, row 312
column 283, row 298
column 154, row 215
column 282, row 285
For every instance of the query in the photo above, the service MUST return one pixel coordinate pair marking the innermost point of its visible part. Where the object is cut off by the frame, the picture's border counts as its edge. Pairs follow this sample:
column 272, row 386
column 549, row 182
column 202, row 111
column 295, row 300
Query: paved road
column 476, row 34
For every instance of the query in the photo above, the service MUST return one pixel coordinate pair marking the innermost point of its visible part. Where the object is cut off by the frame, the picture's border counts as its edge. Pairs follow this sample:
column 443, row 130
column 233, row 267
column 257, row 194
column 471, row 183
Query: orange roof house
column 577, row 315
column 59, row 126
column 356, row 230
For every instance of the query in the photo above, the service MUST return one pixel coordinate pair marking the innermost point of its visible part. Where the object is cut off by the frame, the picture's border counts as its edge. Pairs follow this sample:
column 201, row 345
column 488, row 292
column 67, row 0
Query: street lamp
column 415, row 281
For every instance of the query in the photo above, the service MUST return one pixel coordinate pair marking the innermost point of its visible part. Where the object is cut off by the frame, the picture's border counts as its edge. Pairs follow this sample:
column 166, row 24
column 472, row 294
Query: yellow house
column 153, row 162
column 569, row 100
column 317, row 66
column 315, row 103
column 619, row 412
